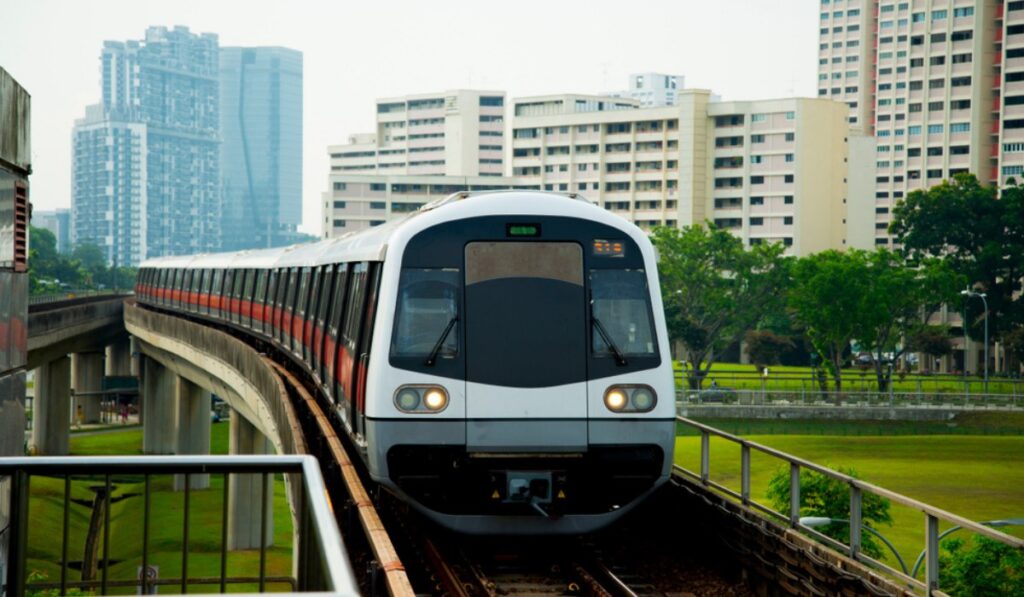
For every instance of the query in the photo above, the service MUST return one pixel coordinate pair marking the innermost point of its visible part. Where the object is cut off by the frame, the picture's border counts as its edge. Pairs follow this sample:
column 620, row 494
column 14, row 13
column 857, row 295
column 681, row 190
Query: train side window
column 176, row 298
column 250, row 282
column 314, row 294
column 326, row 284
column 356, row 294
column 291, row 288
column 303, row 301
column 229, row 282
column 261, row 286
column 206, row 282
column 428, row 302
column 218, row 278
column 338, row 307
column 621, row 313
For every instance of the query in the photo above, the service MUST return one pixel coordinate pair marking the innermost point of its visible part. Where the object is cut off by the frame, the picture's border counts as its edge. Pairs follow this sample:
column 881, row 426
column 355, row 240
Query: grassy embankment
column 976, row 476
column 166, row 525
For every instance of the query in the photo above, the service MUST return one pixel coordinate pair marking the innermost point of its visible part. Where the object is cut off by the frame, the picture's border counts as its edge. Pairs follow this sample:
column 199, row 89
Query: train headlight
column 630, row 398
column 435, row 398
column 615, row 399
column 421, row 399
column 408, row 399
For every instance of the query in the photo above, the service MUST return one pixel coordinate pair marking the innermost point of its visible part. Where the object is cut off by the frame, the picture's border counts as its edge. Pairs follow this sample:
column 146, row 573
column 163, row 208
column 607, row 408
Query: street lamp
column 970, row 293
column 820, row 521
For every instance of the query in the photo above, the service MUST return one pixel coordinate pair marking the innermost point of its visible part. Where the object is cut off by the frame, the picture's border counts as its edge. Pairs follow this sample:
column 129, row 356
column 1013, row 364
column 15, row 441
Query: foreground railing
column 320, row 563
column 933, row 516
column 812, row 397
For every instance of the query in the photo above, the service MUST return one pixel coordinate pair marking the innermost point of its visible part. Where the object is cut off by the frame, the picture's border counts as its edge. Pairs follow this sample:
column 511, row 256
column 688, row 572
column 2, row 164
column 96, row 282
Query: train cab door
column 526, row 339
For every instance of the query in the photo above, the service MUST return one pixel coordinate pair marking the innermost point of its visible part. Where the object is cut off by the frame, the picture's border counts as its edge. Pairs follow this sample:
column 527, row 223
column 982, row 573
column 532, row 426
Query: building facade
column 58, row 222
column 939, row 84
column 770, row 170
column 261, row 149
column 146, row 160
column 653, row 90
column 453, row 133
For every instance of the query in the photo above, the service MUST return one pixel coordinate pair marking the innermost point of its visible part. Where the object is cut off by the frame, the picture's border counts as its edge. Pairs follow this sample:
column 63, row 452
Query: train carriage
column 500, row 359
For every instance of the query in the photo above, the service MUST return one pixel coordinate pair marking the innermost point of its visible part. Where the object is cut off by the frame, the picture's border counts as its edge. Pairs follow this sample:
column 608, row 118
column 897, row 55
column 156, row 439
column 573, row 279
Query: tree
column 982, row 567
column 830, row 498
column 829, row 295
column 902, row 297
column 46, row 267
column 1013, row 342
column 714, row 290
column 766, row 347
column 980, row 233
column 931, row 340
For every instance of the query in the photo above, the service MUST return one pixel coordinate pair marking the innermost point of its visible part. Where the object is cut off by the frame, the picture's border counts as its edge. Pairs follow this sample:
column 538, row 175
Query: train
column 499, row 359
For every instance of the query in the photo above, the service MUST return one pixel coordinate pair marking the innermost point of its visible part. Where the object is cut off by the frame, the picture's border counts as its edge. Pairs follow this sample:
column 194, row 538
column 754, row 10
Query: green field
column 166, row 526
column 978, row 477
column 781, row 377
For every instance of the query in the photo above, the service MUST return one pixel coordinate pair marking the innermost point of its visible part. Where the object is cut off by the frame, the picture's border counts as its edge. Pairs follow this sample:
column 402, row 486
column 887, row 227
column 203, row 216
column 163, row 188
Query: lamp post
column 820, row 521
column 970, row 293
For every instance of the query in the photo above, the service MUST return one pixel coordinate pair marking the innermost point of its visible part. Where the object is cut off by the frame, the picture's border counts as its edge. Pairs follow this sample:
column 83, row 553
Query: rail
column 45, row 302
column 321, row 562
column 857, row 488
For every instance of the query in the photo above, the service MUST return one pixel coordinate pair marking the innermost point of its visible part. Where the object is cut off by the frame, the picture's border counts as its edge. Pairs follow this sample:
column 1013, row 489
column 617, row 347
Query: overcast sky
column 355, row 52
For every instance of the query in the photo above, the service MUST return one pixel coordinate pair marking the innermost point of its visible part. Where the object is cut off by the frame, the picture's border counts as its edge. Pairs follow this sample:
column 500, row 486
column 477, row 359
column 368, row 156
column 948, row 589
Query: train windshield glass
column 427, row 305
column 620, row 303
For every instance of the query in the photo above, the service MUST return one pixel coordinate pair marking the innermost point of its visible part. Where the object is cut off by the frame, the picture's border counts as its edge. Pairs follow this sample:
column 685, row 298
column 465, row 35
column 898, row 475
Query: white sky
column 355, row 52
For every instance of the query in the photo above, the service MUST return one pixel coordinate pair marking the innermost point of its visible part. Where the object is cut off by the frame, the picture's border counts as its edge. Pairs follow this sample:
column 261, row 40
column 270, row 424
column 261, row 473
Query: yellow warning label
column 495, row 495
column 561, row 494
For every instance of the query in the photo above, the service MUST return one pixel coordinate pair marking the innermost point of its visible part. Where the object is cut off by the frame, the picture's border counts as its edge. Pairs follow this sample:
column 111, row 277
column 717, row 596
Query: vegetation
column 765, row 347
column 830, row 498
column 981, row 567
column 979, row 232
column 714, row 290
column 84, row 269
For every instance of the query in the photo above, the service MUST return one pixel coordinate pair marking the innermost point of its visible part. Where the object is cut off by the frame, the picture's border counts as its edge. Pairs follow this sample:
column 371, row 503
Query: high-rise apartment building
column 652, row 90
column 453, row 133
column 940, row 84
column 58, row 222
column 146, row 160
column 769, row 170
column 261, row 149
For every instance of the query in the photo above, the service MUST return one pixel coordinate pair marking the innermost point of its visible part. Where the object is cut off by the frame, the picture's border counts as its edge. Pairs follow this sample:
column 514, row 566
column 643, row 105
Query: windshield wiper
column 440, row 342
column 621, row 360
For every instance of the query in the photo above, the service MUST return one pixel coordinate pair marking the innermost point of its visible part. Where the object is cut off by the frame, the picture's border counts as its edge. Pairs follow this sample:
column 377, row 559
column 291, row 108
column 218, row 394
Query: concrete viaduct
column 180, row 365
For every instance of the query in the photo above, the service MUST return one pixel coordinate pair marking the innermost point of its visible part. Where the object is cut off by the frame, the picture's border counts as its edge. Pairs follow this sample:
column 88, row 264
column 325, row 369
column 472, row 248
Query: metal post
column 931, row 529
column 794, row 494
column 705, row 456
column 745, row 473
column 64, row 537
column 263, row 533
column 184, row 536
column 18, row 541
column 145, row 537
column 855, row 521
column 985, row 302
column 224, row 536
column 106, row 535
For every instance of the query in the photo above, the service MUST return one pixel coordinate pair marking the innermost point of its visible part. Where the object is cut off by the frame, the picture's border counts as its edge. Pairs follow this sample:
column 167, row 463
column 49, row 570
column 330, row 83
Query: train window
column 291, row 287
column 621, row 313
column 338, row 307
column 218, row 277
column 326, row 284
column 303, row 292
column 427, row 313
column 355, row 304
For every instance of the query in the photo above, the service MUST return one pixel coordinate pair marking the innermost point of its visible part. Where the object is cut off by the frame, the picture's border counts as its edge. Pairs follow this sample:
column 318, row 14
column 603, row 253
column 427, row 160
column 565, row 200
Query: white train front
column 500, row 359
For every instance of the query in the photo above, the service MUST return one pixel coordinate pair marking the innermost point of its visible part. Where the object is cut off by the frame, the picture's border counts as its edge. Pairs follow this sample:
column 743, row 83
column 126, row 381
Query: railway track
column 403, row 555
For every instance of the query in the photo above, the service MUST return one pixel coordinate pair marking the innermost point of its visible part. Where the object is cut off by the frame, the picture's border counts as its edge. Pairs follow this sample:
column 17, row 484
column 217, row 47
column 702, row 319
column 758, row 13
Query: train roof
column 372, row 244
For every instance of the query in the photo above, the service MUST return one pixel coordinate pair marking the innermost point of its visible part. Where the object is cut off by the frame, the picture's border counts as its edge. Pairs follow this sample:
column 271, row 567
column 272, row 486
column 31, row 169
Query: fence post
column 855, row 521
column 705, row 456
column 18, row 538
column 931, row 549
column 745, row 473
column 794, row 494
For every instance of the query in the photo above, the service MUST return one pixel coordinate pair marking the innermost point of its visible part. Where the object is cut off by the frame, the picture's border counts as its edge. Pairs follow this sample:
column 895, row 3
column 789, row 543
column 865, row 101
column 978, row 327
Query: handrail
column 857, row 487
column 321, row 553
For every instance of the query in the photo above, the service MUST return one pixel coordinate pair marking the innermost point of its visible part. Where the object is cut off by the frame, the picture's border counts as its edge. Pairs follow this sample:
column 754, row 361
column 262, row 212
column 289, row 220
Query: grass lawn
column 782, row 377
column 978, row 477
column 166, row 525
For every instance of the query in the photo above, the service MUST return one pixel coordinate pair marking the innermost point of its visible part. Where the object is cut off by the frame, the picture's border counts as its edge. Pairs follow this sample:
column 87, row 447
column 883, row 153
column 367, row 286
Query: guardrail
column 858, row 381
column 66, row 295
column 321, row 562
column 812, row 397
column 857, row 488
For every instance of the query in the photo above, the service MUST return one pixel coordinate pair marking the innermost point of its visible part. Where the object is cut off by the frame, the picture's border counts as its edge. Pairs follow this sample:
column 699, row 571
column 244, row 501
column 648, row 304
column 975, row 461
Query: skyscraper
column 261, row 152
column 146, row 160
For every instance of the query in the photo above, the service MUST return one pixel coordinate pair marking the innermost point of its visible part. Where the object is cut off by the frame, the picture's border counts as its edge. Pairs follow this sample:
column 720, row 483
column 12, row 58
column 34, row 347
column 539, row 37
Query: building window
column 938, row 15
column 963, row 12
column 760, row 117
column 378, row 186
column 339, row 205
column 486, row 100
column 788, row 220
column 788, row 178
column 756, row 221
column 339, row 223
column 790, row 157
column 960, row 127
column 377, row 205
column 339, row 186
column 788, row 200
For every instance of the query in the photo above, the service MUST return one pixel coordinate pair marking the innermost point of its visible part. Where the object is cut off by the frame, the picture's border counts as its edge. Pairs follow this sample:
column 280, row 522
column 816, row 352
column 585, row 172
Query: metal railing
column 932, row 516
column 812, row 397
column 857, row 381
column 69, row 295
column 321, row 565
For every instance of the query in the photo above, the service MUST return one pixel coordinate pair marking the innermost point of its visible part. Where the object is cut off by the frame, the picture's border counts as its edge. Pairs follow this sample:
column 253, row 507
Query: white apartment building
column 453, row 133
column 652, row 89
column 770, row 170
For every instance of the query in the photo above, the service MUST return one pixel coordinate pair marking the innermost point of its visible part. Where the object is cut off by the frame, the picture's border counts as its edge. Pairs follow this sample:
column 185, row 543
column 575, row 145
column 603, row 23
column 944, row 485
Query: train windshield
column 427, row 313
column 620, row 304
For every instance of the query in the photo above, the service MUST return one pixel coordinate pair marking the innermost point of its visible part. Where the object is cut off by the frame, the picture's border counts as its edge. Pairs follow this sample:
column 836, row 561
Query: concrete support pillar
column 247, row 492
column 158, row 403
column 135, row 365
column 193, row 407
column 51, row 408
column 119, row 358
column 87, row 381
